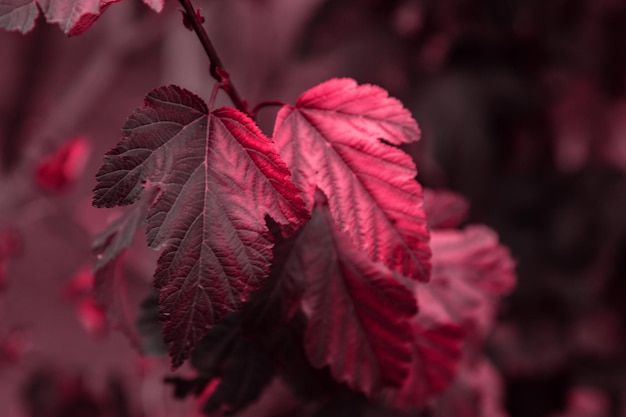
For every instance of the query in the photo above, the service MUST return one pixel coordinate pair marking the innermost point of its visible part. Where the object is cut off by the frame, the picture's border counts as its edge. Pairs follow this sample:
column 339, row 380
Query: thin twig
column 264, row 104
column 217, row 68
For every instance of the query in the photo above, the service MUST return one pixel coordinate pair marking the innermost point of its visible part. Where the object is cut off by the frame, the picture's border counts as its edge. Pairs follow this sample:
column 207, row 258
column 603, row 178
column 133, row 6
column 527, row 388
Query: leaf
column 242, row 364
column 435, row 356
column 444, row 209
column 276, row 303
column 119, row 235
column 73, row 16
column 471, row 270
column 336, row 138
column 218, row 177
column 114, row 290
column 149, row 328
column 305, row 381
column 358, row 312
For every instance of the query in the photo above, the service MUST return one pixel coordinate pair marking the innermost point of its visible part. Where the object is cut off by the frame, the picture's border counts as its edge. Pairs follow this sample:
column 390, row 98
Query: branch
column 217, row 68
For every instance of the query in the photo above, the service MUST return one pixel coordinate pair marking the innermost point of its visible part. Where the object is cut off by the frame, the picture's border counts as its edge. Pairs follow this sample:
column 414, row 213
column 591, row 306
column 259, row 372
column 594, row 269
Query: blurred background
column 522, row 104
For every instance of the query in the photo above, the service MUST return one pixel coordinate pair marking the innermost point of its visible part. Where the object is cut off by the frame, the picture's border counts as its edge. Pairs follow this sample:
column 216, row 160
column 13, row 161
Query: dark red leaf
column 218, row 176
column 331, row 139
column 149, row 328
column 58, row 171
column 73, row 16
column 358, row 311
column 241, row 363
column 444, row 209
column 113, row 289
column 119, row 294
column 119, row 235
column 435, row 356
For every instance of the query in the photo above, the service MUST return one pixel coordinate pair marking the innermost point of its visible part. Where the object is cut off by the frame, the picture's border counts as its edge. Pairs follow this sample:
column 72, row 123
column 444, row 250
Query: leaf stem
column 216, row 66
column 264, row 104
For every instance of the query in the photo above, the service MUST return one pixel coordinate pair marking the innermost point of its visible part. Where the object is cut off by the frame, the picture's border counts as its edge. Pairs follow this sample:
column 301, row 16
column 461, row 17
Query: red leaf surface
column 444, row 209
column 73, row 16
column 471, row 270
column 218, row 176
column 331, row 139
column 358, row 312
column 435, row 355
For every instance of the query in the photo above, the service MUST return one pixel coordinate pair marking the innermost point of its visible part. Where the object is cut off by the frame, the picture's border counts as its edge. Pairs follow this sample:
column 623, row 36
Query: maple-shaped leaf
column 358, row 311
column 218, row 177
column 444, row 209
column 73, row 16
column 336, row 138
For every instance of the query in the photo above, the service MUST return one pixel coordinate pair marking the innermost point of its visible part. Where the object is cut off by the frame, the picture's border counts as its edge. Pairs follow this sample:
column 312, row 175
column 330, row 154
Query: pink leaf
column 334, row 139
column 358, row 312
column 471, row 270
column 73, row 16
column 444, row 209
column 218, row 177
